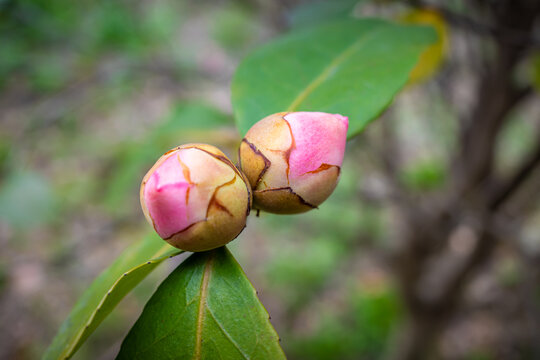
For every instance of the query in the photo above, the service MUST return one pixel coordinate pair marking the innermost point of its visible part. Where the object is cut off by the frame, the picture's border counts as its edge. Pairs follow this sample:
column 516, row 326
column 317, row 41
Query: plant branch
column 522, row 173
column 430, row 309
column 502, row 34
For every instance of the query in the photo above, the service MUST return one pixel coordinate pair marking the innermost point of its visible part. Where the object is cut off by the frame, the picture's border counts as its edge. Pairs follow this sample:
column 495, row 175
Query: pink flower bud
column 293, row 160
column 195, row 198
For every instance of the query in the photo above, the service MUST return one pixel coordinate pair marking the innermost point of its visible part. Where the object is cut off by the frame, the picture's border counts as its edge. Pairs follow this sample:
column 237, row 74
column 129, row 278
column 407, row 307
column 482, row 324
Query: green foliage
column 50, row 42
column 375, row 313
column 26, row 200
column 13, row 55
column 359, row 330
column 130, row 268
column 206, row 309
column 425, row 175
column 234, row 27
column 49, row 74
column 298, row 269
column 116, row 26
column 352, row 67
column 98, row 24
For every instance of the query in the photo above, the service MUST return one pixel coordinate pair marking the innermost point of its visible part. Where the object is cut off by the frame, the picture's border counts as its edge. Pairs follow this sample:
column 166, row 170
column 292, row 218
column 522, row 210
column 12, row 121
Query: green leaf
column 424, row 175
column 130, row 268
column 352, row 67
column 206, row 309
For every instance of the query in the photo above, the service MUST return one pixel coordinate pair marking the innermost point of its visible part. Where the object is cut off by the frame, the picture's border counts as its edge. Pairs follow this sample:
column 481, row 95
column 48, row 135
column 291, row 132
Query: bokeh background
column 93, row 92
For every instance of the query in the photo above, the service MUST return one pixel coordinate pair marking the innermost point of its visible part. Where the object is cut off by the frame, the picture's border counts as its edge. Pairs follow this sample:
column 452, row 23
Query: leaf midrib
column 202, row 304
column 329, row 69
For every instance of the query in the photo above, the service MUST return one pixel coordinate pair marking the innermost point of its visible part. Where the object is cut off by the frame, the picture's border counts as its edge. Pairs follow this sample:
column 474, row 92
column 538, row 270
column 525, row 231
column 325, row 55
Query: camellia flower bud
column 195, row 198
column 293, row 160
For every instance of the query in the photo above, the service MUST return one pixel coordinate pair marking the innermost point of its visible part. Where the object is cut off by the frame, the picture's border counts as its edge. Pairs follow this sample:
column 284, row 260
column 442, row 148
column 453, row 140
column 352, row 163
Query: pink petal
column 165, row 196
column 319, row 139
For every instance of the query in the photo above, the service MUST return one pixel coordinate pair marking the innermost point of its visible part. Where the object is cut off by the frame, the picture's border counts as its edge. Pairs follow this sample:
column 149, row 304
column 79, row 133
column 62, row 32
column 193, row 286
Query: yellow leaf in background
column 535, row 63
column 431, row 59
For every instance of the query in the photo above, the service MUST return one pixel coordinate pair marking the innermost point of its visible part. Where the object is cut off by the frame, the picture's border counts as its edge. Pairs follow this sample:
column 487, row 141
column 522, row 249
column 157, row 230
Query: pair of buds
column 198, row 200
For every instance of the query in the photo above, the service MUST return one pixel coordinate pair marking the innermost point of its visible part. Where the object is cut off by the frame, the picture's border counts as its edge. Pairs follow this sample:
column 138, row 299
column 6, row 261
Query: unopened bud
column 293, row 160
column 195, row 198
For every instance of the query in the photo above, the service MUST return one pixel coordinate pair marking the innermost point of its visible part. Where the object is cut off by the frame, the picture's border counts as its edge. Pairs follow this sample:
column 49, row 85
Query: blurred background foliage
column 93, row 92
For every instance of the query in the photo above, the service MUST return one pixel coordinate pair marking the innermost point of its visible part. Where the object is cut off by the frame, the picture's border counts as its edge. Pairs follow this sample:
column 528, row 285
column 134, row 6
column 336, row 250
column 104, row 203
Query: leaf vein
column 226, row 333
column 167, row 334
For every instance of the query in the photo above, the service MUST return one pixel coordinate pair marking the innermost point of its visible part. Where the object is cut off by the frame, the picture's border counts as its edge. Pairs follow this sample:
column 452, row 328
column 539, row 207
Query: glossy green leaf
column 351, row 67
column 130, row 268
column 206, row 309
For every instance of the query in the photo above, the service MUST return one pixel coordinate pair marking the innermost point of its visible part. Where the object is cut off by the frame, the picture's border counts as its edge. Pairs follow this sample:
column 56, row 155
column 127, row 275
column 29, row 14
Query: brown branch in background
column 497, row 96
column 502, row 34
column 514, row 182
column 471, row 206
